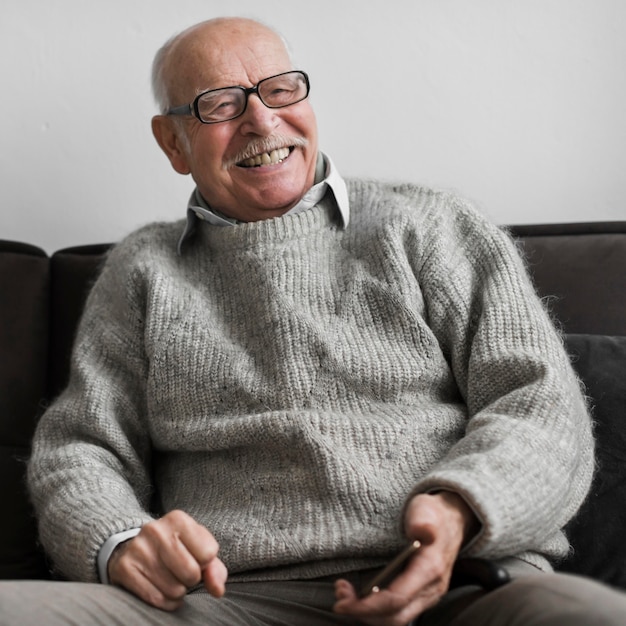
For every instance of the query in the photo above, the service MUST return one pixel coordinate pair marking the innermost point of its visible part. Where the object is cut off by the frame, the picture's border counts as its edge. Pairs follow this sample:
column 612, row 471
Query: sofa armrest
column 24, row 288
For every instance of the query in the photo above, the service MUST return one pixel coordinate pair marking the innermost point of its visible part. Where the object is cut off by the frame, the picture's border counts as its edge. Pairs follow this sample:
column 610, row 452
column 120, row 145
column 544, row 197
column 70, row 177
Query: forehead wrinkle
column 214, row 58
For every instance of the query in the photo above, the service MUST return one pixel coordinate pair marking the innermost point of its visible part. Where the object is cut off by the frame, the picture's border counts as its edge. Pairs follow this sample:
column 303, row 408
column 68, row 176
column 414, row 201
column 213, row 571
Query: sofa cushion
column 597, row 532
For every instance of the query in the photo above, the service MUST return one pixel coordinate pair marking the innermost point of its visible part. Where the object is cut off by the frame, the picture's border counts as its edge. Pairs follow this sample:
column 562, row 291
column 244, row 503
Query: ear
column 167, row 135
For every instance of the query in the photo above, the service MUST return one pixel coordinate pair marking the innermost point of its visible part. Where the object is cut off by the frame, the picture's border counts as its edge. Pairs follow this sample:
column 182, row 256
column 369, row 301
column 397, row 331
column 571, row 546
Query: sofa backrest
column 72, row 273
column 579, row 268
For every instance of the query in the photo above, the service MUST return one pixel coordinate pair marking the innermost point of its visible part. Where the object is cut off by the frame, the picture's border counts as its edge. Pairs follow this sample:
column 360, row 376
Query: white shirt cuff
column 107, row 550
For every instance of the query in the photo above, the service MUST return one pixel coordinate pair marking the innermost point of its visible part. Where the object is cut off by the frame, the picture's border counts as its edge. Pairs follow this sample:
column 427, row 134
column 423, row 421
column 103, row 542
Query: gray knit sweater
column 289, row 384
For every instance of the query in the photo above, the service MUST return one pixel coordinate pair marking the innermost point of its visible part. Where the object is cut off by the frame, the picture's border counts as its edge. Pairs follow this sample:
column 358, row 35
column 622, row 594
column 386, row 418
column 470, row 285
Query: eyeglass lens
column 220, row 105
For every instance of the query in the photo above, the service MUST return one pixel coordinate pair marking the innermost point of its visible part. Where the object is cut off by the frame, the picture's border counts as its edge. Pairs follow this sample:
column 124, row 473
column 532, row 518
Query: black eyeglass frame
column 194, row 109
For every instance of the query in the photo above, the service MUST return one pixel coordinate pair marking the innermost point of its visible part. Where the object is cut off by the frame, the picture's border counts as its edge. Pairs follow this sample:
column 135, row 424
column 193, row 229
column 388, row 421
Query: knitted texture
column 290, row 384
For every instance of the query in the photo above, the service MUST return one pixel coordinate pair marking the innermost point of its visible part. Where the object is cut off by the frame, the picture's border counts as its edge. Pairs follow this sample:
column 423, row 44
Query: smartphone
column 390, row 571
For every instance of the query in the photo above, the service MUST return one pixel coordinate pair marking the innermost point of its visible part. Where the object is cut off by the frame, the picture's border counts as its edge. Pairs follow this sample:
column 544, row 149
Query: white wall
column 518, row 104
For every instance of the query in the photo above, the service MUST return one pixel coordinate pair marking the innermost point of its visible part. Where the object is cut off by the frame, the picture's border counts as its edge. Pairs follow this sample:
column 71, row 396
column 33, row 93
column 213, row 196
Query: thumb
column 215, row 575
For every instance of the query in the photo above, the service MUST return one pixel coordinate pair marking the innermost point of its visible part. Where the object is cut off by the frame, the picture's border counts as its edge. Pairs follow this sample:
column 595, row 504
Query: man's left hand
column 442, row 522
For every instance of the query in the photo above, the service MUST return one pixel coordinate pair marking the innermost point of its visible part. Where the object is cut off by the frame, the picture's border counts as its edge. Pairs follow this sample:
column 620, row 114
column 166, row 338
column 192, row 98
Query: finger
column 163, row 558
column 418, row 587
column 183, row 545
column 150, row 583
column 427, row 568
column 181, row 564
column 381, row 604
column 215, row 575
column 424, row 582
column 152, row 594
column 384, row 608
column 196, row 538
column 343, row 589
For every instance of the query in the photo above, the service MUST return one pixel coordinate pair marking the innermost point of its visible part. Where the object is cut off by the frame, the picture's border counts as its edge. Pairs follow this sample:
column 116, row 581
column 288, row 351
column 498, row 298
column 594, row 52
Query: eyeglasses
column 227, row 103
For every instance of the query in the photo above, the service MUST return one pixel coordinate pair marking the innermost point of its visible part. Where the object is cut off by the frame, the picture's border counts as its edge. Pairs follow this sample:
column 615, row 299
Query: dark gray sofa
column 579, row 268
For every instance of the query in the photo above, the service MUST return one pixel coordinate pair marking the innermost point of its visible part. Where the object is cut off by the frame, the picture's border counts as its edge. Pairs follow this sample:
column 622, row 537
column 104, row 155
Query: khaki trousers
column 536, row 599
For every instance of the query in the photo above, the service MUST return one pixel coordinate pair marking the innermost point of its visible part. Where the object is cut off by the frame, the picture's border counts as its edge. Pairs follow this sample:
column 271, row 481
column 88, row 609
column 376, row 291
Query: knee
column 550, row 600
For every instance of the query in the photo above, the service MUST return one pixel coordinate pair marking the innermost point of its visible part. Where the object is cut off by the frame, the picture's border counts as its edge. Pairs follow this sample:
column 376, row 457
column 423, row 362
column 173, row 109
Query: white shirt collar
column 198, row 209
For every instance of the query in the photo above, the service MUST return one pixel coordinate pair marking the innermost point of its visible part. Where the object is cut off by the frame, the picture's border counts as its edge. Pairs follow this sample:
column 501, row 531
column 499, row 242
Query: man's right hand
column 165, row 559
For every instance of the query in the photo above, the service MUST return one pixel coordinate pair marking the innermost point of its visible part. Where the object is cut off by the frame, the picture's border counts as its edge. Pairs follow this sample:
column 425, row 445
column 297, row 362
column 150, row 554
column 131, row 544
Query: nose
column 259, row 119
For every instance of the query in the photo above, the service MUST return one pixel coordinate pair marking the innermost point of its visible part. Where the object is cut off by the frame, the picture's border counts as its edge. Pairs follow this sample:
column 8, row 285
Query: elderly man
column 269, row 401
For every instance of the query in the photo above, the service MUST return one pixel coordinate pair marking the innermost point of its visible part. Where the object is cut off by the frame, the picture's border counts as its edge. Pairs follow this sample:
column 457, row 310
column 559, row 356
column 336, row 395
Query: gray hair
column 161, row 91
column 159, row 86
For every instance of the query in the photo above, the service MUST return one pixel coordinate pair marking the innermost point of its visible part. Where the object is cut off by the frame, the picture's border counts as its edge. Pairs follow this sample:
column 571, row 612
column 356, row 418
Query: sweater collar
column 326, row 178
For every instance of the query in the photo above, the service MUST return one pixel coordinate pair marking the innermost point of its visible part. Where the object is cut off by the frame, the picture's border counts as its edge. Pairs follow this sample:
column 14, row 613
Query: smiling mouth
column 267, row 158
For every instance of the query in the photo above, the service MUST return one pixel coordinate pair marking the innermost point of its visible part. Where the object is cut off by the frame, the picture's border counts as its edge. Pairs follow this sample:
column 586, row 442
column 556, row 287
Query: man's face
column 223, row 57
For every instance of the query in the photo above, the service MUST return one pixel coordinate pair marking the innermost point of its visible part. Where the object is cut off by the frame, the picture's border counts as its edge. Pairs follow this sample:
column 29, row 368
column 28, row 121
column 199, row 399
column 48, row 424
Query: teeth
column 267, row 158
